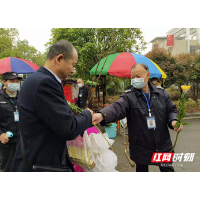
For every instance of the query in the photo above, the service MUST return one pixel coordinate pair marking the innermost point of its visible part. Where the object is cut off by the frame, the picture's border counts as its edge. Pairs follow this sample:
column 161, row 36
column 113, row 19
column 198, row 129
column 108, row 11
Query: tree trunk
column 104, row 90
column 194, row 93
column 98, row 94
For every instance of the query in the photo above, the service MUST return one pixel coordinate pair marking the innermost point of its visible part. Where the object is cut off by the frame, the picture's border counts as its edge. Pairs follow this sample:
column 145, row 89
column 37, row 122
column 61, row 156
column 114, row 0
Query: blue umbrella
column 17, row 65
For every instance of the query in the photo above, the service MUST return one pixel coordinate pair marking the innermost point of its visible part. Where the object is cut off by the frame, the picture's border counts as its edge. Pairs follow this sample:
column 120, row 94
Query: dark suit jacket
column 84, row 96
column 46, row 121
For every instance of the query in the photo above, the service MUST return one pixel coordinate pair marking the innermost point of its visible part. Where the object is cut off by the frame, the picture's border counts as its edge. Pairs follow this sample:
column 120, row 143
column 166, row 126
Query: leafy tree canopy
column 11, row 46
column 93, row 44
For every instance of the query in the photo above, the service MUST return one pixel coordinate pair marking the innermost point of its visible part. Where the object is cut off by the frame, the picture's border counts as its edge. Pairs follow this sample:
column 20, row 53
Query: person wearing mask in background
column 157, row 82
column 149, row 112
column 9, row 119
column 83, row 95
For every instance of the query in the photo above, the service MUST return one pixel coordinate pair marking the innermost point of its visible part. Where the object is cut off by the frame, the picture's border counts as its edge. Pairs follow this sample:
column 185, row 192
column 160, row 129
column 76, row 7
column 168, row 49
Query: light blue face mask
column 138, row 83
column 13, row 87
column 80, row 85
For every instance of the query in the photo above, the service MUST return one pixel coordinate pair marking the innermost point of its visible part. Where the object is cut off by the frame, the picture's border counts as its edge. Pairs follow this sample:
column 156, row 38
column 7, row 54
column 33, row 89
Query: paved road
column 188, row 142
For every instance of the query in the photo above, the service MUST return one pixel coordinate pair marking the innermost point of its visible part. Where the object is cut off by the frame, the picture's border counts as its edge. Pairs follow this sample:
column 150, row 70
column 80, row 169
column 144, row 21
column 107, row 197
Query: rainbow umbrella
column 120, row 64
column 17, row 65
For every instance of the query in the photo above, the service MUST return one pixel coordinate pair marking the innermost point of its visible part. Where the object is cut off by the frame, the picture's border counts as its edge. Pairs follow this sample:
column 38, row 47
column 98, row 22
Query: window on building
column 193, row 49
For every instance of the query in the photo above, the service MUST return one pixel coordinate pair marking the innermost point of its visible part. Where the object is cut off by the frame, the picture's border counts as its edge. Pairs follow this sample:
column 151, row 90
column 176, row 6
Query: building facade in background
column 185, row 40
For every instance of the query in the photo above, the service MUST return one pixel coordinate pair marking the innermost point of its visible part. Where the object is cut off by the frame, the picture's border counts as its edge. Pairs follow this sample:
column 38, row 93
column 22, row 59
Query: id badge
column 16, row 116
column 151, row 122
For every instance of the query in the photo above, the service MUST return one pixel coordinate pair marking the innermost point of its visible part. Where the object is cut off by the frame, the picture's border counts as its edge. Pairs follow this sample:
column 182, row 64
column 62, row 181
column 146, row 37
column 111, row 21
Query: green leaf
column 73, row 107
column 109, row 125
column 185, row 124
column 177, row 124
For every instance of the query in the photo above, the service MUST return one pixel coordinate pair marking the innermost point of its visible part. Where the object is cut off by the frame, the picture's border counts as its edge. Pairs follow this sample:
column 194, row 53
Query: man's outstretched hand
column 97, row 118
column 90, row 111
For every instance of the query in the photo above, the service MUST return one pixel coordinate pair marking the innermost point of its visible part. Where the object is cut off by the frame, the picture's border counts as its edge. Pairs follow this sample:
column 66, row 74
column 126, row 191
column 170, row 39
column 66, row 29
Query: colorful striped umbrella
column 120, row 64
column 17, row 65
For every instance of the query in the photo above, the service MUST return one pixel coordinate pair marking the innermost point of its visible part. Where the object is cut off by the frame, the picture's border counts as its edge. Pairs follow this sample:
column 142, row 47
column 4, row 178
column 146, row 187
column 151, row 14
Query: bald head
column 62, row 59
column 141, row 65
column 61, row 47
column 140, row 70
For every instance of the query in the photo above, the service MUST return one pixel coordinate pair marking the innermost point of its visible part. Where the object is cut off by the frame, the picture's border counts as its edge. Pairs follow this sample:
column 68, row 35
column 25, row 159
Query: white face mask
column 138, row 83
column 80, row 85
column 13, row 87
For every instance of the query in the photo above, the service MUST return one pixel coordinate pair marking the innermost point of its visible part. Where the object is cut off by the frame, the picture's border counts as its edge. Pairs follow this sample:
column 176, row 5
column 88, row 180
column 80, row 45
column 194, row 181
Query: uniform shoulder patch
column 159, row 87
column 127, row 91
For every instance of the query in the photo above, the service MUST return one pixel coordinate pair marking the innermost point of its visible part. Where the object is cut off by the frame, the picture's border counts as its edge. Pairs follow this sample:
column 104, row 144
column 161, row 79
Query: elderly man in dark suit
column 149, row 112
column 45, row 118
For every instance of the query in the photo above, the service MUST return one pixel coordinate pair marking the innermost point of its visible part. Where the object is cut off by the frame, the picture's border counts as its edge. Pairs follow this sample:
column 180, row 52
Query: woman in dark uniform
column 9, row 119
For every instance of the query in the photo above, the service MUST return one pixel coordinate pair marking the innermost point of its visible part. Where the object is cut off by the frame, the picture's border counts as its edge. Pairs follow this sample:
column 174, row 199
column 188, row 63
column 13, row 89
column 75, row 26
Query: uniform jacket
column 7, row 122
column 46, row 121
column 143, row 141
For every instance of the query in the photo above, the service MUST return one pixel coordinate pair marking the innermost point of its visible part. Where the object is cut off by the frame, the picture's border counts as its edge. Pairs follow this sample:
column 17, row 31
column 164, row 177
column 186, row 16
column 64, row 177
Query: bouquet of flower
column 181, row 109
column 73, row 107
column 86, row 151
column 81, row 152
column 91, row 153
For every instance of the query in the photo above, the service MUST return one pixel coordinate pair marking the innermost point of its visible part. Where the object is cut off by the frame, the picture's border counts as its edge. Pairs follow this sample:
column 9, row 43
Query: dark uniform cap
column 11, row 75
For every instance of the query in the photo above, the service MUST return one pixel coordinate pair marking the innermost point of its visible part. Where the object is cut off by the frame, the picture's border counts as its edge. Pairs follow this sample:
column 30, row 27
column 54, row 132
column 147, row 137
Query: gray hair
column 142, row 64
column 61, row 47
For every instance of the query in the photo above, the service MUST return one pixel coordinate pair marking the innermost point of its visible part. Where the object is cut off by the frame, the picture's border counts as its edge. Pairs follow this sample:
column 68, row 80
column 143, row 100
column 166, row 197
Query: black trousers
column 7, row 152
column 145, row 168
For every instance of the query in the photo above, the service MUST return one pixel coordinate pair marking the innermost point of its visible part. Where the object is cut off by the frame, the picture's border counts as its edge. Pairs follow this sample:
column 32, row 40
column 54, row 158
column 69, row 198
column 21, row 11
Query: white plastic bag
column 104, row 158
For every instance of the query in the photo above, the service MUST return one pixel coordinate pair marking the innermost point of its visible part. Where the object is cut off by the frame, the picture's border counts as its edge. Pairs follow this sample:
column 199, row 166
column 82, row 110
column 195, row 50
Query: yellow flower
column 185, row 88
